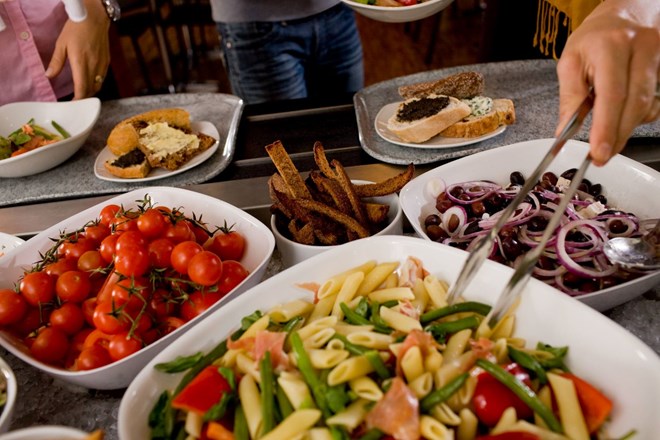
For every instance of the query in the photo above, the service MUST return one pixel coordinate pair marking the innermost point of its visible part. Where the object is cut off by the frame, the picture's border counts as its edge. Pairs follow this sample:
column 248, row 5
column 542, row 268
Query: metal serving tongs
column 524, row 269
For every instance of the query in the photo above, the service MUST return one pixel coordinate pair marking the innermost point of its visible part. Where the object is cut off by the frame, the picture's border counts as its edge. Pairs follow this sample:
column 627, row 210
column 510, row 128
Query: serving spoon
column 641, row 253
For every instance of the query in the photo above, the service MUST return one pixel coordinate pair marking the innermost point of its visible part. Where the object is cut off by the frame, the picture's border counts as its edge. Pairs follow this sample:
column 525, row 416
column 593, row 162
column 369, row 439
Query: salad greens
column 28, row 137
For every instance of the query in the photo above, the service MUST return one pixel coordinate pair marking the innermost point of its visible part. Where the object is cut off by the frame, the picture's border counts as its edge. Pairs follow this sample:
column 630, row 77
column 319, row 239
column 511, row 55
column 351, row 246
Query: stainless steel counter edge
column 250, row 194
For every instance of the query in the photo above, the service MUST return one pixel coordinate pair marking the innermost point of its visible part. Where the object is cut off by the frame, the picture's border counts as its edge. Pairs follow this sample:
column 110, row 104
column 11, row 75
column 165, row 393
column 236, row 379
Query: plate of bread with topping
column 444, row 113
column 154, row 145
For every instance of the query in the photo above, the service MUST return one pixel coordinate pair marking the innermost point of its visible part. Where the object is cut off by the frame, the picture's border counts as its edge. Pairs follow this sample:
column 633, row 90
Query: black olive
column 433, row 219
column 537, row 224
column 589, row 286
column 443, row 205
column 494, row 202
column 569, row 174
column 516, row 178
column 550, row 178
column 512, row 248
column 601, row 198
column 595, row 189
column 472, row 227
column 478, row 208
column 618, row 227
column 457, row 191
column 436, row 233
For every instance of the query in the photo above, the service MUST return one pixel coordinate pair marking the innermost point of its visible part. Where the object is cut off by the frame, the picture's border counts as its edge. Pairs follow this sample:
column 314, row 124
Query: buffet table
column 31, row 204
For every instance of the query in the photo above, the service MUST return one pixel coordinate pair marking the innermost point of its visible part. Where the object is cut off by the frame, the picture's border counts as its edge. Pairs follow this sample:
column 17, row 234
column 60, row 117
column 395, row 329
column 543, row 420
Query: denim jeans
column 315, row 57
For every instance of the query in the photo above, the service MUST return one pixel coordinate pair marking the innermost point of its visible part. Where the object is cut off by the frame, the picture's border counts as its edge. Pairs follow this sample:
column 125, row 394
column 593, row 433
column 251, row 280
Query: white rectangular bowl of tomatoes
column 94, row 298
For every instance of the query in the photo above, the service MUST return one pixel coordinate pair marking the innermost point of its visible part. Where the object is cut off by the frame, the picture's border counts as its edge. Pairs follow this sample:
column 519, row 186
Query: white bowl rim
column 46, row 432
column 394, row 9
column 96, row 109
column 12, row 392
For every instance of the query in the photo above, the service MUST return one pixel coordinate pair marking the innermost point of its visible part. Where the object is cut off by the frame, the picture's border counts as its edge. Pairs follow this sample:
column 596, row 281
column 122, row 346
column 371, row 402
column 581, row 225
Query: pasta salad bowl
column 400, row 13
column 631, row 377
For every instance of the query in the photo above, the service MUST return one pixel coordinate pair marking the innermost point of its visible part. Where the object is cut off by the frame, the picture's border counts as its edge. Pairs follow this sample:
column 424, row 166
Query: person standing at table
column 46, row 56
column 280, row 50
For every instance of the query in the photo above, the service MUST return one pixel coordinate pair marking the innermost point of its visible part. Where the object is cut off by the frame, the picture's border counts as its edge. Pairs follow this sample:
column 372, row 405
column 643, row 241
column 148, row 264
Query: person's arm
column 87, row 47
column 617, row 51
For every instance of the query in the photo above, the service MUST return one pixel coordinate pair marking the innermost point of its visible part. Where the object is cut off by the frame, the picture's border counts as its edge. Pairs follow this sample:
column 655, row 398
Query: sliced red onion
column 568, row 262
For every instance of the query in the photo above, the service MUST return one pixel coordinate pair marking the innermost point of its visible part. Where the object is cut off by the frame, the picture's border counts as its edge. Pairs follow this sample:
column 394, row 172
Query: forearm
column 643, row 12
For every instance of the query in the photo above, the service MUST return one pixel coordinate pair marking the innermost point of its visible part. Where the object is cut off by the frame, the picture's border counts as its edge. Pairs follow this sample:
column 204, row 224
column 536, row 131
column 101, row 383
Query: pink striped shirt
column 27, row 44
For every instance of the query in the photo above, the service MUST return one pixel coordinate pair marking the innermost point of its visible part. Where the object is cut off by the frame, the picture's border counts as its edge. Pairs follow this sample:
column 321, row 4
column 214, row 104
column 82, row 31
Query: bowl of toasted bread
column 397, row 11
column 445, row 112
column 156, row 144
column 38, row 136
column 327, row 209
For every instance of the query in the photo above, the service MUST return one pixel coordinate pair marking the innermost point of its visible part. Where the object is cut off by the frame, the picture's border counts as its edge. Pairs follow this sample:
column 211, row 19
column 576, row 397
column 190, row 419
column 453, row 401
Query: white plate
column 161, row 173
column 438, row 141
column 627, row 184
column 76, row 117
column 400, row 14
column 47, row 432
column 9, row 242
column 259, row 248
column 601, row 351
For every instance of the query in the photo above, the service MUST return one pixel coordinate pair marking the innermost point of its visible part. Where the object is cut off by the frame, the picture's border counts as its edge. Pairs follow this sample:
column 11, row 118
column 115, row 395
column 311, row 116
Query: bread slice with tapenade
column 419, row 119
column 487, row 115
column 132, row 165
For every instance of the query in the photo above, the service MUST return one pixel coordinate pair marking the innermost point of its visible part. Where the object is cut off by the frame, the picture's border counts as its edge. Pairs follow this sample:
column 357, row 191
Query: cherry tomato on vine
column 160, row 252
column 183, row 253
column 227, row 244
column 132, row 293
column 197, row 303
column 60, row 266
column 169, row 324
column 110, row 319
column 38, row 288
column 13, row 307
column 130, row 240
column 108, row 248
column 69, row 318
column 200, row 234
column 152, row 223
column 108, row 214
column 50, row 345
column 73, row 286
column 163, row 303
column 76, row 247
column 33, row 319
column 180, row 232
column 90, row 262
column 205, row 268
column 92, row 357
column 132, row 262
column 122, row 345
column 233, row 273
column 96, row 232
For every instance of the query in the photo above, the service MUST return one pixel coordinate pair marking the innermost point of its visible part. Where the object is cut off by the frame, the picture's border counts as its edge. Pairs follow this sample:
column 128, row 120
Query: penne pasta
column 432, row 429
column 323, row 359
column 421, row 296
column 376, row 277
column 391, row 281
column 351, row 368
column 295, row 388
column 507, row 420
column 247, row 366
column 351, row 417
column 250, row 398
column 444, row 414
column 320, row 338
column 392, row 294
column 365, row 388
column 346, row 293
column 296, row 424
column 422, row 385
column 318, row 434
column 314, row 326
column 437, row 291
column 370, row 339
column 258, row 325
column 345, row 329
column 334, row 284
column 467, row 429
column 288, row 311
column 412, row 364
column 399, row 321
column 456, row 346
column 570, row 413
column 322, row 308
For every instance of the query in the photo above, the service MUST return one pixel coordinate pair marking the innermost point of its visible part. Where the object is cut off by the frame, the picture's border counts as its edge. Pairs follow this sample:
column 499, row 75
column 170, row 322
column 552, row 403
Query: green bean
column 353, row 317
column 308, row 373
column 468, row 306
column 240, row 425
column 362, row 308
column 379, row 324
column 283, row 402
column 161, row 417
column 379, row 366
column 444, row 393
column 441, row 329
column 267, row 394
column 523, row 391
column 65, row 134
column 181, row 363
column 529, row 362
column 372, row 434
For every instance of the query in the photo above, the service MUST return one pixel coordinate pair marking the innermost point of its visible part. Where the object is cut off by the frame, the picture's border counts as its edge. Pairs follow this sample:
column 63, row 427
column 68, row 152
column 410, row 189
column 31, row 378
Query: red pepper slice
column 491, row 397
column 204, row 391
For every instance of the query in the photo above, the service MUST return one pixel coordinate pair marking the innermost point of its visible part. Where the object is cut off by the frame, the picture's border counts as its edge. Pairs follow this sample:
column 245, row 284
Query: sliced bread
column 461, row 85
column 169, row 147
column 419, row 119
column 132, row 165
column 502, row 112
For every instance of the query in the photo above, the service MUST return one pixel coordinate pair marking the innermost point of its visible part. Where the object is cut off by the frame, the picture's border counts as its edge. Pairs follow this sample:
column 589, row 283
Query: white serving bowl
column 399, row 14
column 7, row 411
column 47, row 432
column 629, row 375
column 259, row 248
column 76, row 117
column 627, row 184
column 9, row 242
column 293, row 252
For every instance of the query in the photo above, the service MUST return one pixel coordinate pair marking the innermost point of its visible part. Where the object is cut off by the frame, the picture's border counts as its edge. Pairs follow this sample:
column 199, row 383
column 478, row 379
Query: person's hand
column 87, row 47
column 620, row 58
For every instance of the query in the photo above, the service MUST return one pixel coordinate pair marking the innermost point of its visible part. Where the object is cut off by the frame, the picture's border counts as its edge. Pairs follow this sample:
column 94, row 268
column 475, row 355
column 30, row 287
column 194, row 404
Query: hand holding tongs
column 524, row 269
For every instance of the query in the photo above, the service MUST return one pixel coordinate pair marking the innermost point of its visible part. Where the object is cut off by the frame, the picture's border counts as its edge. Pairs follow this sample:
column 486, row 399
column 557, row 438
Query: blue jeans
column 315, row 57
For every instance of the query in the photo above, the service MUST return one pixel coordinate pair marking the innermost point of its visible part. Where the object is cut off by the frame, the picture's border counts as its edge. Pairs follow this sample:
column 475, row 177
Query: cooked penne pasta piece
column 463, row 397
column 422, row 385
column 508, row 419
column 345, row 329
column 444, row 414
column 412, row 363
column 323, row 358
column 450, row 370
column 334, row 284
column 433, row 360
column 314, row 326
column 320, row 338
column 365, row 388
column 322, row 308
column 437, row 291
column 392, row 294
column 194, row 422
column 346, row 293
column 248, row 393
column 432, row 429
column 318, row 434
column 570, row 413
column 229, row 359
column 351, row 368
column 546, row 397
column 467, row 430
column 258, row 325
column 456, row 346
column 399, row 321
column 421, row 296
column 504, row 328
column 288, row 311
column 376, row 277
column 246, row 365
column 370, row 339
column 391, row 281
column 296, row 424
column 295, row 388
column 351, row 417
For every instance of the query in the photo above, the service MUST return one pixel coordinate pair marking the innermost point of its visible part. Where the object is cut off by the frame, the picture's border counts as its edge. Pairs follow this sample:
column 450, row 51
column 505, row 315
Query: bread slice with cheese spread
column 419, row 119
column 486, row 116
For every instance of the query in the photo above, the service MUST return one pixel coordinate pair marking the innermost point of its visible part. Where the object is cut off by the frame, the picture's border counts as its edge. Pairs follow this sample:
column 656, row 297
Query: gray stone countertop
column 45, row 401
